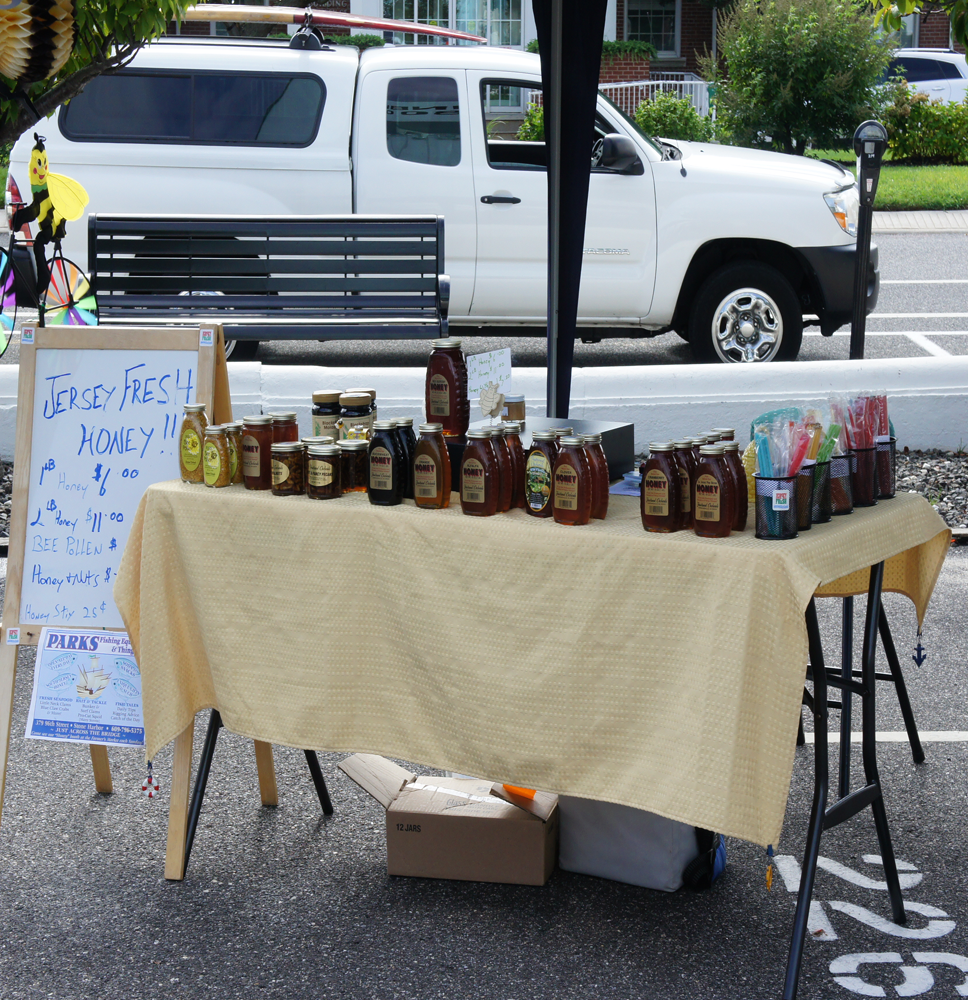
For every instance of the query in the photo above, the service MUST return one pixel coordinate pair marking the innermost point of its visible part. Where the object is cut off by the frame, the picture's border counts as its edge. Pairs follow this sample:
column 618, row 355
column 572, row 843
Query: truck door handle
column 500, row 199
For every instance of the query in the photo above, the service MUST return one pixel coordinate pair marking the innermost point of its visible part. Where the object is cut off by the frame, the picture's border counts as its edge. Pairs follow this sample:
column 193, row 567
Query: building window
column 655, row 21
column 499, row 21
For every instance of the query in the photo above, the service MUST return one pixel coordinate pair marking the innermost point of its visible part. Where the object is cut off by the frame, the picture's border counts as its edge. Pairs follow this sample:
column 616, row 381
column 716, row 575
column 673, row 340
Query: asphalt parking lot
column 281, row 903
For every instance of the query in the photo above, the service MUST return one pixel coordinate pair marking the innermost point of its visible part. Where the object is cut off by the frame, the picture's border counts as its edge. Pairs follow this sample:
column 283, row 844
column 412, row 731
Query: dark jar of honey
column 288, row 468
column 354, row 465
column 326, row 411
column 661, row 503
column 539, row 469
column 741, row 501
column 323, row 479
column 192, row 434
column 572, row 502
column 687, row 471
column 446, row 387
column 598, row 466
column 257, row 452
column 386, row 463
column 431, row 469
column 512, row 435
column 712, row 493
column 372, row 394
column 479, row 475
column 405, row 471
column 356, row 416
column 505, row 472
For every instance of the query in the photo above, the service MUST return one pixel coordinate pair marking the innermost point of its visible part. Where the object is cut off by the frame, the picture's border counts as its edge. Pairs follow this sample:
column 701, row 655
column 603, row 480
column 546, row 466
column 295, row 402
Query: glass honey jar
column 661, row 500
column 386, row 460
column 356, row 416
column 234, row 433
column 409, row 441
column 257, row 452
column 503, row 455
column 323, row 468
column 367, row 392
column 697, row 442
column 354, row 465
column 572, row 500
column 514, row 410
column 687, row 469
column 512, row 435
column 284, row 427
column 446, row 387
column 538, row 474
column 712, row 494
column 190, row 440
column 216, row 462
column 479, row 476
column 740, row 488
column 288, row 468
column 598, row 467
column 431, row 468
column 326, row 411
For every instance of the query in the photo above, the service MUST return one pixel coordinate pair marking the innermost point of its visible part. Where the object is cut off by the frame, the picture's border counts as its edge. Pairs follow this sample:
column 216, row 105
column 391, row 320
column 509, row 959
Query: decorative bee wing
column 491, row 400
column 67, row 195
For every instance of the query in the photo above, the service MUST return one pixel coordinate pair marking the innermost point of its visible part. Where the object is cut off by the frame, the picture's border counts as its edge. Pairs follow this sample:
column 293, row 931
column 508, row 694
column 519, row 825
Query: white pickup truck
column 733, row 249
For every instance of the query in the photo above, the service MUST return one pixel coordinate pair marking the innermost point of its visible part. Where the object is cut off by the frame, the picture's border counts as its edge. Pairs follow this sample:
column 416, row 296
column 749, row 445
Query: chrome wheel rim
column 747, row 327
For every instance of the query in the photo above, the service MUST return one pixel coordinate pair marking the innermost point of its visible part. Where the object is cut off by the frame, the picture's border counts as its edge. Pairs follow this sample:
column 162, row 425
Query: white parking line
column 937, row 736
column 926, row 281
column 932, row 315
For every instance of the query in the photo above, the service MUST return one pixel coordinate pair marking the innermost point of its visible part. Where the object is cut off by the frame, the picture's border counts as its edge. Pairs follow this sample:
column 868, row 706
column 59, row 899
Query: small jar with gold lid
column 326, row 411
column 323, row 479
column 216, row 461
column 284, row 427
column 288, row 468
column 356, row 416
column 318, row 439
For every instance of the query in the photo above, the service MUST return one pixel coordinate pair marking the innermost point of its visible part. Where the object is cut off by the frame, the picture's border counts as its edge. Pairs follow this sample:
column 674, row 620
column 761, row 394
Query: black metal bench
column 273, row 278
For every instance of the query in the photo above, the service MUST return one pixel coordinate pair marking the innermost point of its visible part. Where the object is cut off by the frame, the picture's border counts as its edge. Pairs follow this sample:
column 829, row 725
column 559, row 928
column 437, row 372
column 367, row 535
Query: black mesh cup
column 865, row 477
column 776, row 507
column 805, row 481
column 821, row 508
column 886, row 469
column 841, row 484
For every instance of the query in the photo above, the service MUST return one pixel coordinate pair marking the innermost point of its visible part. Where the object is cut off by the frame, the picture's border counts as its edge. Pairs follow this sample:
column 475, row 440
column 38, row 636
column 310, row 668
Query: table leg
column 267, row 773
column 902, row 696
column 181, row 776
column 102, row 769
column 846, row 672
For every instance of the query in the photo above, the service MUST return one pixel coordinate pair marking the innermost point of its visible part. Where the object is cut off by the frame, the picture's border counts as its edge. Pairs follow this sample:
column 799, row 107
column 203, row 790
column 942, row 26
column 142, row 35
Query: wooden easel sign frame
column 98, row 416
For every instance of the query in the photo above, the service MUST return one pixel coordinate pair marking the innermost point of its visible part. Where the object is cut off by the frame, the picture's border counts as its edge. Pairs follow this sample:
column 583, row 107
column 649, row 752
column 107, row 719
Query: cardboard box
column 460, row 828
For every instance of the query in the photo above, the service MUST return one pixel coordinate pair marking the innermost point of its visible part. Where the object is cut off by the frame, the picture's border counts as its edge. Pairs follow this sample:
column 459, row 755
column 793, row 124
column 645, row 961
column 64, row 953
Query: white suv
column 942, row 74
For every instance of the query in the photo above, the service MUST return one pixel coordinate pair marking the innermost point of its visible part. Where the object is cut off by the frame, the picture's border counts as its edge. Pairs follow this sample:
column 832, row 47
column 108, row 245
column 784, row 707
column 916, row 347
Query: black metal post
column 314, row 769
column 846, row 672
column 198, row 794
column 902, row 696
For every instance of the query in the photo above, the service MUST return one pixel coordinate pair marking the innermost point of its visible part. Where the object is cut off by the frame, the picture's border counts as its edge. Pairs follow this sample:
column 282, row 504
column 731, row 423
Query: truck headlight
column 844, row 204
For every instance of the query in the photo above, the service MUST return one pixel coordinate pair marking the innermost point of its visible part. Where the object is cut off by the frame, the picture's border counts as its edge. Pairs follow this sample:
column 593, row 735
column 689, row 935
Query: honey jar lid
column 233, row 425
column 258, row 419
column 571, row 441
column 730, row 445
column 592, row 438
column 713, row 436
column 661, row 446
column 355, row 399
column 215, row 429
column 480, row 434
column 384, row 425
column 699, row 439
column 322, row 450
column 724, row 430
column 512, row 426
column 319, row 439
column 287, row 446
column 562, row 431
column 446, row 342
column 281, row 417
column 432, row 428
column 354, row 444
column 327, row 396
column 404, row 421
column 543, row 435
column 684, row 443
column 498, row 430
column 193, row 407
column 513, row 399
column 712, row 449
column 361, row 392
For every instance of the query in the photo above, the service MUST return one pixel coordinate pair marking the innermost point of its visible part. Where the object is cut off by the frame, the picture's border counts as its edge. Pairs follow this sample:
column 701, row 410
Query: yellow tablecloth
column 658, row 671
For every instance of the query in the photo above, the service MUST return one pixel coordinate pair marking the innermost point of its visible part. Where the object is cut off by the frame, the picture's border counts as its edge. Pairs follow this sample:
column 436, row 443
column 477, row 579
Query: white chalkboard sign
column 98, row 415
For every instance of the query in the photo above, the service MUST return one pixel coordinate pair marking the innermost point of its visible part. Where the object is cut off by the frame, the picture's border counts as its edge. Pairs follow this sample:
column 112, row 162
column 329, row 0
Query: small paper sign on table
column 489, row 378
column 87, row 689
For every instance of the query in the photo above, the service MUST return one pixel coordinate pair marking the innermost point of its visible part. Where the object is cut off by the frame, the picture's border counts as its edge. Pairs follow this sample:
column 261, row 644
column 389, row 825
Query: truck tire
column 241, row 350
column 746, row 312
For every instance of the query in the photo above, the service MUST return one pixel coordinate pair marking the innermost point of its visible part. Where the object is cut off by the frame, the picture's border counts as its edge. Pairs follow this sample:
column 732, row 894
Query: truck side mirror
column 620, row 155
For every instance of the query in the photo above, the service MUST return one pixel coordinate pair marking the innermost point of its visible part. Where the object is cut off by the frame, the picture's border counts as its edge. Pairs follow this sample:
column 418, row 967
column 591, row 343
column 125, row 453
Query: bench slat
column 108, row 247
column 243, row 265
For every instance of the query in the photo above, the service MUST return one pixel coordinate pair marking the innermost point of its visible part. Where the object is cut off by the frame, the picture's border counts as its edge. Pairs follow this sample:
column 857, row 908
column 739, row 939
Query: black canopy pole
column 570, row 43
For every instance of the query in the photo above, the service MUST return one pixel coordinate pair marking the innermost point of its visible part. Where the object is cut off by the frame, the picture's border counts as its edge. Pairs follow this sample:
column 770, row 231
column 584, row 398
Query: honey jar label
column 655, row 493
column 325, row 426
column 686, row 492
column 320, row 472
column 707, row 498
column 280, row 472
column 191, row 449
column 439, row 396
column 233, row 455
column 472, row 481
column 537, row 481
column 355, row 428
column 250, row 456
column 381, row 469
column 425, row 477
column 211, row 463
column 566, row 488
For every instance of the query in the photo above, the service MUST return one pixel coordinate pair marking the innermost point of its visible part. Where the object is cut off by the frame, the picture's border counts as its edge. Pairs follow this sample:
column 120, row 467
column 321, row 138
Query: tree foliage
column 798, row 71
column 889, row 13
column 109, row 33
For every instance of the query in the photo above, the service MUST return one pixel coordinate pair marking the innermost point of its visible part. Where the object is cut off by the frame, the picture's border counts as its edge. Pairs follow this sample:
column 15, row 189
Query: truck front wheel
column 746, row 312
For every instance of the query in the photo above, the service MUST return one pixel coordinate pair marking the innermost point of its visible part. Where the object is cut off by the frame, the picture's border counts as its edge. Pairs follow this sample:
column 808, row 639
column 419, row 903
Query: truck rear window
column 245, row 109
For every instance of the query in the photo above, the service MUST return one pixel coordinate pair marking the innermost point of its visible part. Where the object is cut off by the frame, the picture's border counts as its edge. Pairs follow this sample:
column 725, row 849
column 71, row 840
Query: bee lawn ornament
column 36, row 38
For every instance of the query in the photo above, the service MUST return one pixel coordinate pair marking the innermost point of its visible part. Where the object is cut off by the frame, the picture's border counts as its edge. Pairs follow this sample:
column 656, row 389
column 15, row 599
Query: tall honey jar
column 257, row 452
column 539, row 468
column 598, row 467
column 216, row 462
column 697, row 442
column 409, row 439
column 712, row 494
column 687, row 469
column 572, row 501
column 284, row 427
column 446, row 387
column 505, row 472
column 323, row 479
column 356, row 416
column 431, row 468
column 354, row 465
column 190, row 440
column 288, row 468
column 479, row 476
column 661, row 501
column 740, row 490
column 326, row 411
column 386, row 460
column 512, row 435
column 233, row 431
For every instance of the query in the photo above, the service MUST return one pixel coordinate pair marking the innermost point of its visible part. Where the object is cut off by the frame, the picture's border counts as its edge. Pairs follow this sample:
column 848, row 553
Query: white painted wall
column 928, row 397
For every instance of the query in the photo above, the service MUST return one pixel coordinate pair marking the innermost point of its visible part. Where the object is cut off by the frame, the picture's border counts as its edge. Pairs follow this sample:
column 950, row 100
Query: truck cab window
column 423, row 120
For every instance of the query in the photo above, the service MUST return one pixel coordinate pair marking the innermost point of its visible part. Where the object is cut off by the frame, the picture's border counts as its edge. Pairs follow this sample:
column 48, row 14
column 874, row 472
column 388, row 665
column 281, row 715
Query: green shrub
column 532, row 128
column 673, row 118
column 924, row 131
column 360, row 41
column 614, row 50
